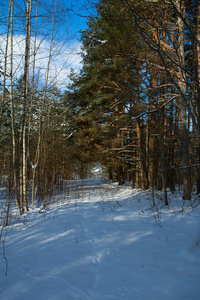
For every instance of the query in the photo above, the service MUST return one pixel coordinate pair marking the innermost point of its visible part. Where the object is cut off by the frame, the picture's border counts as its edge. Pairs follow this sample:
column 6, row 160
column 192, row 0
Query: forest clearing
column 99, row 240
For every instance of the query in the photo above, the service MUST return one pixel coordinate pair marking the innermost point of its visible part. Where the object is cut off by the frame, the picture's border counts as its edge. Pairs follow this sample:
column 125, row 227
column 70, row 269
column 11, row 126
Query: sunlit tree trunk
column 30, row 110
column 40, row 131
column 23, row 161
column 142, row 159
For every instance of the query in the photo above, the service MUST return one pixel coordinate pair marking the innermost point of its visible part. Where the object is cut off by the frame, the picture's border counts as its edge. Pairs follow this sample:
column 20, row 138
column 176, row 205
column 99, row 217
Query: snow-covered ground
column 101, row 241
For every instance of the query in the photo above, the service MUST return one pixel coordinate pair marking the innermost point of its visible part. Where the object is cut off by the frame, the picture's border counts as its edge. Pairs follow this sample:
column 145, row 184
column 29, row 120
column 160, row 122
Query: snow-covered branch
column 154, row 110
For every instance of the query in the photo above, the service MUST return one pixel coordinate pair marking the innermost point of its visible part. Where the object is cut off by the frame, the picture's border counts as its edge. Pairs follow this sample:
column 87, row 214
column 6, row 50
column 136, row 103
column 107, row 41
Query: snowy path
column 102, row 242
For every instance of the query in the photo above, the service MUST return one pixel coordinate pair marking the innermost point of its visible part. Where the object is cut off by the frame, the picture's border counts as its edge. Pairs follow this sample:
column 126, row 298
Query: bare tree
column 22, row 159
column 40, row 129
column 12, row 108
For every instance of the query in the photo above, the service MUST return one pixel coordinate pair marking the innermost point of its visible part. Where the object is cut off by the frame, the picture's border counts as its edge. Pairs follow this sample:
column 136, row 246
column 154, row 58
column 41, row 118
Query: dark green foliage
column 127, row 94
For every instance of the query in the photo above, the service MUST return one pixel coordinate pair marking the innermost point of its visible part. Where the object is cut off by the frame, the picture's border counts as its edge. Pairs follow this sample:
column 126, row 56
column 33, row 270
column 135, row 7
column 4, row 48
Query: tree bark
column 197, row 83
column 40, row 131
column 180, row 5
column 162, row 155
column 5, row 63
column 23, row 160
column 142, row 159
column 12, row 109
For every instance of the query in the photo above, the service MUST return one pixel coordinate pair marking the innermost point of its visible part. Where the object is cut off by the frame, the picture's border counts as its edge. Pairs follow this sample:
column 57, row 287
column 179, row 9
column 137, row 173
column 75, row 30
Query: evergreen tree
column 135, row 90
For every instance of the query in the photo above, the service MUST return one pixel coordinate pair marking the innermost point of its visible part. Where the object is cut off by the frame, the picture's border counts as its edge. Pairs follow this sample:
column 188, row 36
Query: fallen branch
column 4, row 256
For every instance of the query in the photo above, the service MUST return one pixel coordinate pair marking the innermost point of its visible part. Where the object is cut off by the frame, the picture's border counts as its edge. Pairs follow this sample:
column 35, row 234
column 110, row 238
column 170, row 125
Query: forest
column 134, row 107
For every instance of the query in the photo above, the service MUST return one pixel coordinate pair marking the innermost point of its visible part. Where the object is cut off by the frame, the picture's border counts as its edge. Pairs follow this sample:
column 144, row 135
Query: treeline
column 34, row 123
column 138, row 95
column 134, row 107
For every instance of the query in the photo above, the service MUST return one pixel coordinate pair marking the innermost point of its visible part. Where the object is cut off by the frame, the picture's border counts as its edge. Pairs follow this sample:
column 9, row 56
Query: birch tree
column 41, row 112
column 22, row 153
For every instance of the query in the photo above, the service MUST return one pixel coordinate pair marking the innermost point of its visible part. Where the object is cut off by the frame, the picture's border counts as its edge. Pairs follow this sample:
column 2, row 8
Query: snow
column 100, row 241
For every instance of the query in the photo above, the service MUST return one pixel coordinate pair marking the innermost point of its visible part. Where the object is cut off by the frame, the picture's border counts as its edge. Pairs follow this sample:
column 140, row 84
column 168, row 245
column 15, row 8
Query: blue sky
column 67, row 46
column 80, row 10
column 79, row 15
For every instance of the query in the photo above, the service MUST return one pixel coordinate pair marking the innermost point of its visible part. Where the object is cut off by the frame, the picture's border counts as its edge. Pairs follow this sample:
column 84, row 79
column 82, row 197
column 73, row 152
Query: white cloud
column 63, row 59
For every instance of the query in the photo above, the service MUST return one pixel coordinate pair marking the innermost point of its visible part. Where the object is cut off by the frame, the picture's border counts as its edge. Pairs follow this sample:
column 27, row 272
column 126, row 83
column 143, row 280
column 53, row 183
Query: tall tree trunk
column 171, row 151
column 30, row 114
column 162, row 155
column 37, row 154
column 197, row 85
column 12, row 109
column 151, row 123
column 141, row 153
column 23, row 160
column 180, row 5
column 5, row 64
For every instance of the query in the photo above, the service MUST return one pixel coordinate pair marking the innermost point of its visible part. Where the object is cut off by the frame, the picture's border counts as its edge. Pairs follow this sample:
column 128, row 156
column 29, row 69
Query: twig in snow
column 118, row 204
column 4, row 256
